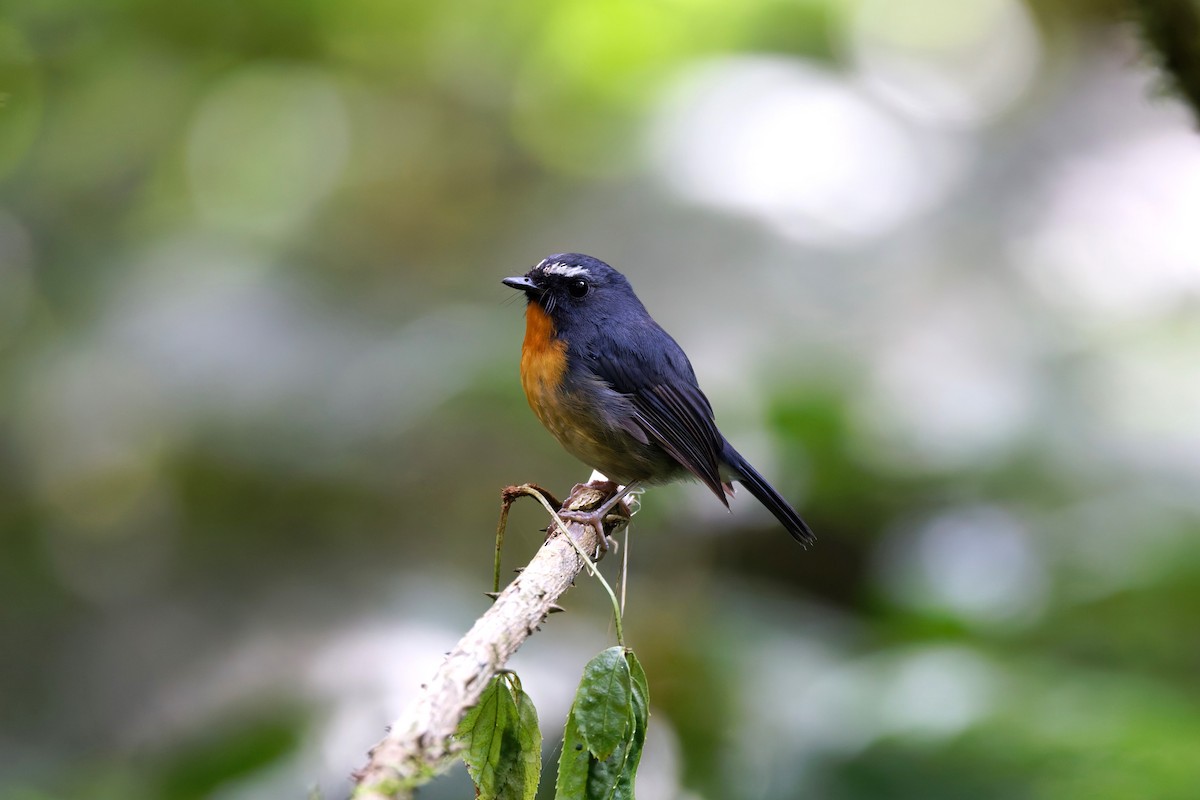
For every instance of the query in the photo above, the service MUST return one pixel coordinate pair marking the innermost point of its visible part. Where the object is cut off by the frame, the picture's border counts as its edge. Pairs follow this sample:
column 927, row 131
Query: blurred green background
column 937, row 265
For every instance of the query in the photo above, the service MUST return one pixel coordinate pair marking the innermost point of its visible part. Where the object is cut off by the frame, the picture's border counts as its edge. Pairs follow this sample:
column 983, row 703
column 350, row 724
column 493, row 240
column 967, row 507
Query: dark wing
column 653, row 372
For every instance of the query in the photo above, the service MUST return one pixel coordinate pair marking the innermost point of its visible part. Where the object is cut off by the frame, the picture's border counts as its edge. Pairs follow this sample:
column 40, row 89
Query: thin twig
column 624, row 566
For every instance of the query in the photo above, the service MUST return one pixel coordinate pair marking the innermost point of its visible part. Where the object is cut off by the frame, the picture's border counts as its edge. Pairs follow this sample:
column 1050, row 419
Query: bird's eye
column 578, row 288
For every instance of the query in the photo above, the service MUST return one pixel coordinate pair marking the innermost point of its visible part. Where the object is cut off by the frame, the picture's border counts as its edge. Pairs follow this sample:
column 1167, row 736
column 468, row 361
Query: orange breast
column 567, row 415
column 543, row 363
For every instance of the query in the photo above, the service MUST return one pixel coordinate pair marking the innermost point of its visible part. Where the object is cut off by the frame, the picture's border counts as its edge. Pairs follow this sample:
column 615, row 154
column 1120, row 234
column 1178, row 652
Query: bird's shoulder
column 636, row 356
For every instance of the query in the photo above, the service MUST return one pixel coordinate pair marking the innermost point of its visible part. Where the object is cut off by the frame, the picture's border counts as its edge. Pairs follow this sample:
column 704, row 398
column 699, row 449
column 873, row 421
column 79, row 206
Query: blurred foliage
column 935, row 263
column 1171, row 29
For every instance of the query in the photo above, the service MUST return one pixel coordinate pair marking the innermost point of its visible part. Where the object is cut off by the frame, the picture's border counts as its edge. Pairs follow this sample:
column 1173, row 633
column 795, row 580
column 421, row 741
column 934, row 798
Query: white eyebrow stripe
column 566, row 270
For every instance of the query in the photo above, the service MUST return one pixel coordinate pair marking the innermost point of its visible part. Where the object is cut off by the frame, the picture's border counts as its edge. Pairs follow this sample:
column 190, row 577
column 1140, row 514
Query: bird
column 618, row 392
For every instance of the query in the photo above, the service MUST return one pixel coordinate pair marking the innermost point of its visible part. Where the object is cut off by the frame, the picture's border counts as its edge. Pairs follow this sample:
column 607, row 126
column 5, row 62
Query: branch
column 418, row 744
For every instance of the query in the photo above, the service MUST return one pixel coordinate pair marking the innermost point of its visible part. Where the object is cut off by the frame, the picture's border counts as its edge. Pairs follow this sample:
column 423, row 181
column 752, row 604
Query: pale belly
column 597, row 440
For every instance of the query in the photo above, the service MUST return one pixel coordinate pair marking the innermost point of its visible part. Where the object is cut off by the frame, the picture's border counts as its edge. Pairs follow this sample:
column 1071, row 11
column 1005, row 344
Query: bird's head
column 567, row 285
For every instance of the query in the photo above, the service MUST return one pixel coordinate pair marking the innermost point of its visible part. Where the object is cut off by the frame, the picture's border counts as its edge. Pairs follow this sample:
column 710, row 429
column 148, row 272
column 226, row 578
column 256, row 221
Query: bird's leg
column 596, row 517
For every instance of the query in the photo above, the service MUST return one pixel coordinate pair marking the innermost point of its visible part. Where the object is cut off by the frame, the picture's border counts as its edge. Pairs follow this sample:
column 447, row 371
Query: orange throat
column 543, row 361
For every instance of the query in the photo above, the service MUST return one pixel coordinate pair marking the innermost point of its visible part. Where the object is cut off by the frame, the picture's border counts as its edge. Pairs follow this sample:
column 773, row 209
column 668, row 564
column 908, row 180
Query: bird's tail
column 766, row 494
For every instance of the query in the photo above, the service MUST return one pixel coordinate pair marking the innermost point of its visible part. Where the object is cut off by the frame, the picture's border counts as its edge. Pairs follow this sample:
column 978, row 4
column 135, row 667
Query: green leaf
column 572, row 763
column 520, row 765
column 604, row 703
column 482, row 730
column 609, row 778
column 641, row 696
column 582, row 773
column 641, row 719
column 502, row 742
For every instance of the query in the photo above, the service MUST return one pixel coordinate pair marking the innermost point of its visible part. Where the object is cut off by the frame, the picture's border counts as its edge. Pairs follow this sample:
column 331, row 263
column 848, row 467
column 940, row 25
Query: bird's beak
column 523, row 283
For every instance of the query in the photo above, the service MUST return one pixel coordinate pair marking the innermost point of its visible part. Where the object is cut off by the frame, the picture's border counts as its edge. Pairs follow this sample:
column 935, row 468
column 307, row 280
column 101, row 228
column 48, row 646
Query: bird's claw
column 594, row 520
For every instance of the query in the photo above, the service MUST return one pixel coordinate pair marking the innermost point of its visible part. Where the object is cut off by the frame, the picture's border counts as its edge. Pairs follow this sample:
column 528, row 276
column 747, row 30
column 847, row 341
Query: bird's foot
column 597, row 520
column 593, row 519
column 614, row 512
